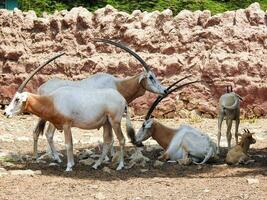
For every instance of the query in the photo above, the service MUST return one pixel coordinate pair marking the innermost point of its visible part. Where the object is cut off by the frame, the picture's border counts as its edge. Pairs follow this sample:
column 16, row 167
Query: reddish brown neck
column 131, row 88
column 162, row 134
column 42, row 106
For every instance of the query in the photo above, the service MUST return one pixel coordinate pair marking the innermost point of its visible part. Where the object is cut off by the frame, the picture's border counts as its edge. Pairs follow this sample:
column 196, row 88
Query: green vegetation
column 216, row 6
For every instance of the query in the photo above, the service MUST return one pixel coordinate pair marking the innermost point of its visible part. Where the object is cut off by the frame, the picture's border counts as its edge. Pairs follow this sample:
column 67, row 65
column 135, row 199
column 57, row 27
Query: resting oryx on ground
column 229, row 108
column 238, row 154
column 180, row 144
column 130, row 88
column 68, row 107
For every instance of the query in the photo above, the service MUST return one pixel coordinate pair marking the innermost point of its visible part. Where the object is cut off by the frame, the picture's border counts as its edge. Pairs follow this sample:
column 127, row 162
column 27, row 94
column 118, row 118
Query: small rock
column 253, row 181
column 158, row 163
column 88, row 161
column 3, row 172
column 100, row 196
column 25, row 172
column 41, row 161
column 206, row 190
column 137, row 198
column 107, row 170
column 85, row 154
column 93, row 186
column 143, row 170
column 53, row 164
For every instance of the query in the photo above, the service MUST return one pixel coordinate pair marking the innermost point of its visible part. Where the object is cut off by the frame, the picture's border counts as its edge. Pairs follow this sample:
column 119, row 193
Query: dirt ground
column 170, row 181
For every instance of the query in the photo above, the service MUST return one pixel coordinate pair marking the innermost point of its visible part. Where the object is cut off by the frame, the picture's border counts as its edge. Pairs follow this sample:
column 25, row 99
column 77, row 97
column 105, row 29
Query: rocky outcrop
column 224, row 49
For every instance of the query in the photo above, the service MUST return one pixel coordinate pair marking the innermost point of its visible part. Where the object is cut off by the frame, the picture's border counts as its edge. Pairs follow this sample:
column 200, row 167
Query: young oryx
column 129, row 88
column 238, row 154
column 229, row 108
column 180, row 144
column 69, row 107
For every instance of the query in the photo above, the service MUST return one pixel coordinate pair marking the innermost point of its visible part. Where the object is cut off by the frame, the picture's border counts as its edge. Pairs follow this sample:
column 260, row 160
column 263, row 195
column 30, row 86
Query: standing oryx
column 229, row 108
column 68, row 107
column 129, row 88
column 180, row 144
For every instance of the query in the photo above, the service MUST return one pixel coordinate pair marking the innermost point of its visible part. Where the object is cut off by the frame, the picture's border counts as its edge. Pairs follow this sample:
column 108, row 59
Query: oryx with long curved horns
column 68, row 107
column 180, row 144
column 229, row 109
column 130, row 88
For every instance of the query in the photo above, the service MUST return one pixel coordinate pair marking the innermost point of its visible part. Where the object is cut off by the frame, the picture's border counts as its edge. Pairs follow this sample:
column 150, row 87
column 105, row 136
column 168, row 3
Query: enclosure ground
column 214, row 180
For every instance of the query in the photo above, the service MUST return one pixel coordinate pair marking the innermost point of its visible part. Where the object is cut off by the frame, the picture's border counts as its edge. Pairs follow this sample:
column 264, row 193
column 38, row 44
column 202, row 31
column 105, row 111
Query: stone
column 158, row 164
column 107, row 170
column 88, row 161
column 27, row 172
column 252, row 181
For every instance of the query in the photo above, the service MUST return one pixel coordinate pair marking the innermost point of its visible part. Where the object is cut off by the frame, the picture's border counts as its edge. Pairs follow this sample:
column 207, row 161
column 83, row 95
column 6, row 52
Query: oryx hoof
column 95, row 166
column 68, row 169
column 121, row 165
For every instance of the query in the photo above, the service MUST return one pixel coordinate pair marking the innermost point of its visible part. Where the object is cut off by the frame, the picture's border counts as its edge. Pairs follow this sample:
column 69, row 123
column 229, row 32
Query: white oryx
column 68, row 107
column 229, row 108
column 180, row 144
column 129, row 88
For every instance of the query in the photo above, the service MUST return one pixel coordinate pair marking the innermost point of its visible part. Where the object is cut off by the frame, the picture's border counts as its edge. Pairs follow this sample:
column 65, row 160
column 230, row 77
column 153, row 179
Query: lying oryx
column 69, row 107
column 180, row 144
column 229, row 108
column 238, row 154
column 129, row 88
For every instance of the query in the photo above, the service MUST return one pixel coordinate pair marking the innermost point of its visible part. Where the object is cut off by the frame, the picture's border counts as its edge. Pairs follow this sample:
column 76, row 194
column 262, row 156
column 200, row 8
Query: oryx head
column 147, row 127
column 247, row 137
column 18, row 102
column 147, row 79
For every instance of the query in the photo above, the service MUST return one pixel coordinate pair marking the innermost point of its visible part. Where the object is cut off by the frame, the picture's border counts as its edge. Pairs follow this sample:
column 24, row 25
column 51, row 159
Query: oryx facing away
column 229, row 109
column 69, row 107
column 130, row 88
column 184, row 143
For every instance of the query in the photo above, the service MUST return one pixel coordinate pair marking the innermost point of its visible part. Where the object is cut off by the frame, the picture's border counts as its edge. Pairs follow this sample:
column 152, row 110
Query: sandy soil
column 171, row 181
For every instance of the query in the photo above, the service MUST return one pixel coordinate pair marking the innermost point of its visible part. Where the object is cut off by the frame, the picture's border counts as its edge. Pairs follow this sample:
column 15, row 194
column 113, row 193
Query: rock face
column 225, row 49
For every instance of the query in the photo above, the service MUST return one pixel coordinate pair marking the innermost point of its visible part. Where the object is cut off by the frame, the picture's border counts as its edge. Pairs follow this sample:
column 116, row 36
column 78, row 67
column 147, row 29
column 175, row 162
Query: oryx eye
column 16, row 100
column 150, row 77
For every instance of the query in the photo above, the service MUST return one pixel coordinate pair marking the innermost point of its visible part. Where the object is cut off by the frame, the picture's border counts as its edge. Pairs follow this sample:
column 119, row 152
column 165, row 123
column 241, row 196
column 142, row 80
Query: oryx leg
column 220, row 120
column 39, row 128
column 185, row 156
column 69, row 147
column 117, row 129
column 51, row 147
column 35, row 144
column 237, row 121
column 229, row 123
column 107, row 137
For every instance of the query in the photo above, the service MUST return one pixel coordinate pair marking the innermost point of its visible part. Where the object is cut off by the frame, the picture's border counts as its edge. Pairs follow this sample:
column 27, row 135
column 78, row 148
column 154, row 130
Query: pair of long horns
column 24, row 83
column 170, row 89
column 124, row 47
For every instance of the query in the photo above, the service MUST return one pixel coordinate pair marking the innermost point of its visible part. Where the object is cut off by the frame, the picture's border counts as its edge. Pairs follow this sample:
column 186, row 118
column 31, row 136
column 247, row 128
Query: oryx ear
column 142, row 76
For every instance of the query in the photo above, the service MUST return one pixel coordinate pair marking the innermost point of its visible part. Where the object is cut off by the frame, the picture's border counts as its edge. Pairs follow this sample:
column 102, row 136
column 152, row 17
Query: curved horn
column 23, row 84
column 169, row 90
column 147, row 68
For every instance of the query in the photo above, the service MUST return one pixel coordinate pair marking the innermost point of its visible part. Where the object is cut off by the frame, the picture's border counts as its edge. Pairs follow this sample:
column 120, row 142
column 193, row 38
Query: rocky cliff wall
column 228, row 48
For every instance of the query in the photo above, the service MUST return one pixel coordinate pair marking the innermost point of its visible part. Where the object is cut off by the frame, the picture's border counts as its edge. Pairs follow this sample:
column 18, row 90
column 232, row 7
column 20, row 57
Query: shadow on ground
column 171, row 170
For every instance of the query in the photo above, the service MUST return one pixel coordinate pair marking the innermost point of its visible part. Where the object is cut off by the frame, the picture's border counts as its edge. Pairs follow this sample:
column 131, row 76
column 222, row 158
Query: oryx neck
column 244, row 143
column 162, row 134
column 130, row 88
column 39, row 105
